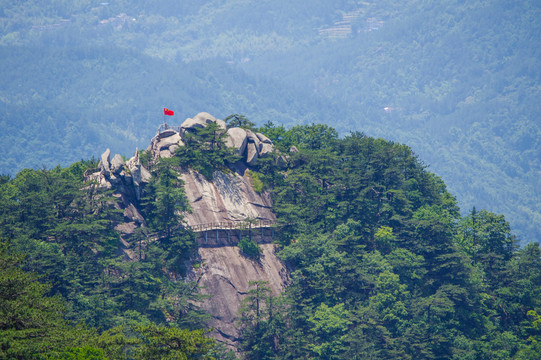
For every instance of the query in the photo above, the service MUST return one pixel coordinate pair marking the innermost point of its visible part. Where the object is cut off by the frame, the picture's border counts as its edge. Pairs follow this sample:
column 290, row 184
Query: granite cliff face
column 224, row 210
column 225, row 275
column 228, row 198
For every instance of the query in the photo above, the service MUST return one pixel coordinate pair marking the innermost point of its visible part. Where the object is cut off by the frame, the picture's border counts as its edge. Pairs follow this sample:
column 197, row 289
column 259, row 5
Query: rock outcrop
column 164, row 144
column 225, row 275
column 236, row 138
column 201, row 120
column 126, row 179
column 250, row 146
column 229, row 198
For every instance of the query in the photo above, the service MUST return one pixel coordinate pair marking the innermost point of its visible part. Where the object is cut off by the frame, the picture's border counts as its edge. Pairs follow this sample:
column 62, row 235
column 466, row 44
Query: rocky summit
column 223, row 210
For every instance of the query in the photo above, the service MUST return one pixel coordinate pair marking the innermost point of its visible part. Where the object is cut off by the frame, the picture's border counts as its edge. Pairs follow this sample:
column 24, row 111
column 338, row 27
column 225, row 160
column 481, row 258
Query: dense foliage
column 33, row 325
column 457, row 81
column 204, row 150
column 384, row 265
column 65, row 228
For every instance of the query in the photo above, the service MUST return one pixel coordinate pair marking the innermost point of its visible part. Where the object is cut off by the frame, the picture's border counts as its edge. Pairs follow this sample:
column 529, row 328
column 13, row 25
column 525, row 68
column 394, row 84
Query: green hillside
column 381, row 263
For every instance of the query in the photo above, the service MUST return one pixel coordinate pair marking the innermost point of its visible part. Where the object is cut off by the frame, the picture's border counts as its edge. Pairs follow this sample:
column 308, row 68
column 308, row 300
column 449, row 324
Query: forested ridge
column 382, row 263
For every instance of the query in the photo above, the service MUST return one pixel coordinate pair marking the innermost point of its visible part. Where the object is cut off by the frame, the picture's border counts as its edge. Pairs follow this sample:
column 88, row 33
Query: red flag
column 166, row 111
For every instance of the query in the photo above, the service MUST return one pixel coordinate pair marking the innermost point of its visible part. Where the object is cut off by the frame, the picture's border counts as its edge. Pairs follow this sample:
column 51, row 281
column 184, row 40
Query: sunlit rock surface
column 224, row 210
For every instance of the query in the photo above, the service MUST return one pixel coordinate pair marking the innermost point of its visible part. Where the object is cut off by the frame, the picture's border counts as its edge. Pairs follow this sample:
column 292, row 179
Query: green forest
column 383, row 265
column 456, row 81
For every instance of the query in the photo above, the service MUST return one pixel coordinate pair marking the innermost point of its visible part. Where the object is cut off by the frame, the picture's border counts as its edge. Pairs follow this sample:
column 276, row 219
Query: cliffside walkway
column 230, row 233
column 233, row 225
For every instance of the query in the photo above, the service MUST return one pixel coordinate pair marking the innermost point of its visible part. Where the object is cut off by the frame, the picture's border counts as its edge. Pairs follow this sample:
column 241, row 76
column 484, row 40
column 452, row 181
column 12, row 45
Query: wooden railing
column 231, row 225
column 163, row 127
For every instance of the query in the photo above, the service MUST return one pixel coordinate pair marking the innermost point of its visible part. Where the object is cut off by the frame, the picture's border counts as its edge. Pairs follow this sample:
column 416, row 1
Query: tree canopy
column 382, row 263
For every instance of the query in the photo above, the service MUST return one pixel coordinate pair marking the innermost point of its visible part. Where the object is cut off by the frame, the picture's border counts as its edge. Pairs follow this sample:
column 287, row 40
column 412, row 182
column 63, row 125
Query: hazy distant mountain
column 459, row 82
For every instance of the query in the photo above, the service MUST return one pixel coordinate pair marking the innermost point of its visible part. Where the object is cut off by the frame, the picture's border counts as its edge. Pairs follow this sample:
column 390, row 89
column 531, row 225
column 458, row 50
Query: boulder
column 173, row 148
column 263, row 138
column 103, row 183
column 204, row 117
column 201, row 120
column 165, row 154
column 265, row 145
column 167, row 133
column 133, row 214
column 265, row 149
column 190, row 123
column 105, row 163
column 253, row 146
column 251, row 154
column 221, row 124
column 281, row 161
column 165, row 143
column 139, row 174
column 293, row 149
column 236, row 138
column 117, row 164
column 252, row 138
column 133, row 162
column 145, row 174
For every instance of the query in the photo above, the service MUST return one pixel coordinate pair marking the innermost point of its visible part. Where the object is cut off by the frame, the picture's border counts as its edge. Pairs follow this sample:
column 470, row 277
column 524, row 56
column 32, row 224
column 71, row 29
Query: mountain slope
column 380, row 264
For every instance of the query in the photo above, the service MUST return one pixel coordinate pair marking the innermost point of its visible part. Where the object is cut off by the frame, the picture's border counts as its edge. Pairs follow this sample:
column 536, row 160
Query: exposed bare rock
column 165, row 143
column 126, row 228
column 221, row 124
column 253, row 146
column 204, row 117
column 165, row 153
column 103, row 182
column 168, row 139
column 252, row 138
column 131, row 212
column 126, row 181
column 201, row 120
column 173, row 148
column 227, row 198
column 190, row 123
column 265, row 146
column 252, row 153
column 225, row 275
column 167, row 132
column 133, row 162
column 117, row 164
column 293, row 149
column 145, row 175
column 139, row 174
column 236, row 138
column 263, row 138
column 105, row 163
column 265, row 149
column 241, row 140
